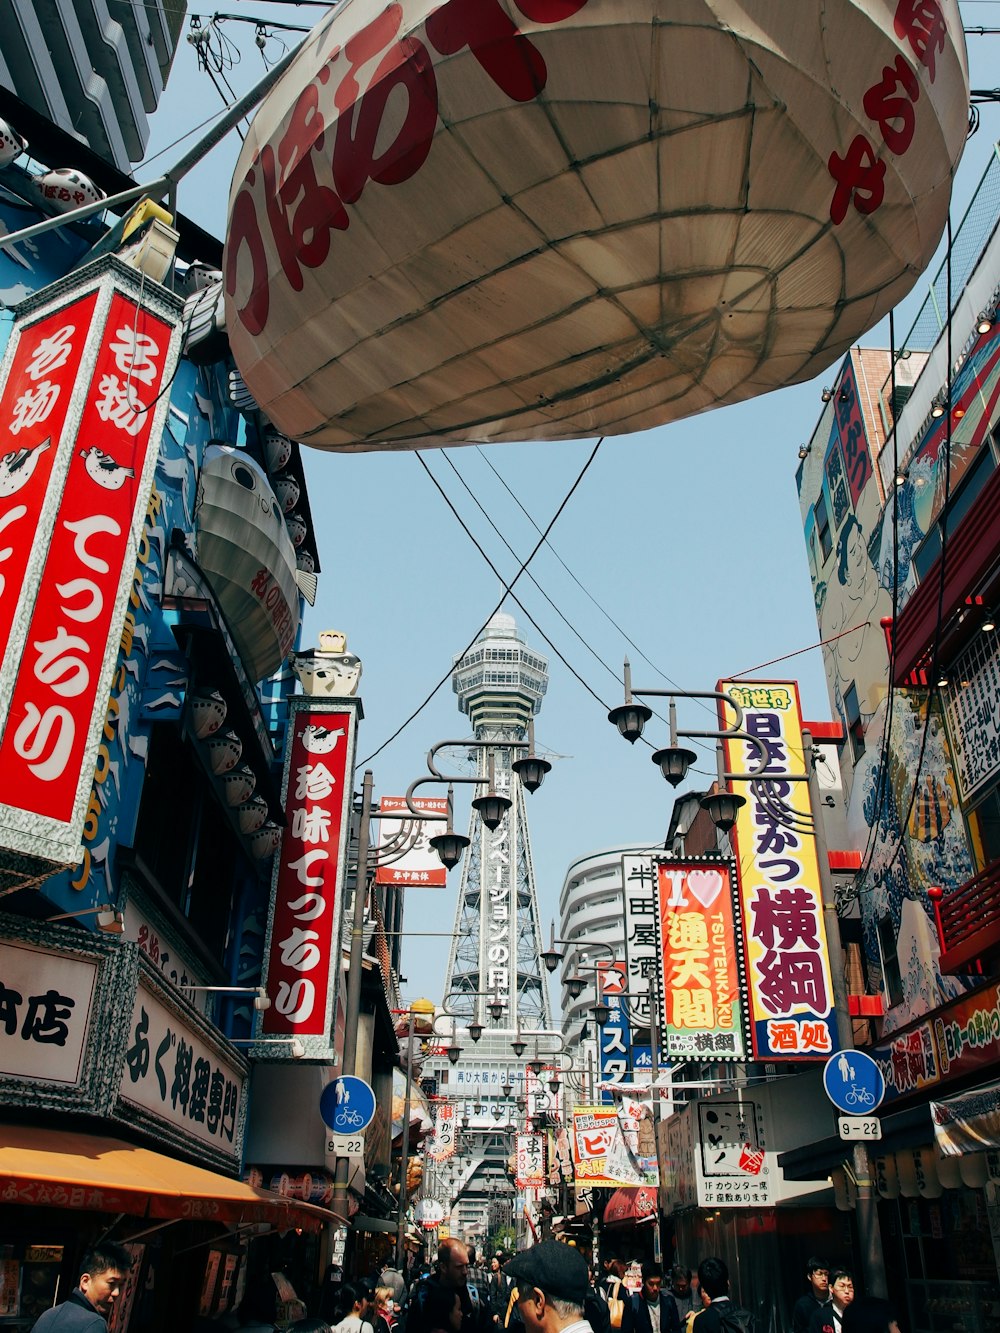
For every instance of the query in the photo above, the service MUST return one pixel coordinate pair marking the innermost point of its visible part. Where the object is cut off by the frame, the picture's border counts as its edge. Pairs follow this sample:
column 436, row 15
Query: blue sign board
column 853, row 1082
column 347, row 1105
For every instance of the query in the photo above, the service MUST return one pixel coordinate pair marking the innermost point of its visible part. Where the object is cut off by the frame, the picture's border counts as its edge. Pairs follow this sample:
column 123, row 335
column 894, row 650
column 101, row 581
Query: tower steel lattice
column 500, row 683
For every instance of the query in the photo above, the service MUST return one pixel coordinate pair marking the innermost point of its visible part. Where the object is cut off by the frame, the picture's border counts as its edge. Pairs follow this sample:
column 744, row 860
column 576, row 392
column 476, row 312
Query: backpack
column 734, row 1319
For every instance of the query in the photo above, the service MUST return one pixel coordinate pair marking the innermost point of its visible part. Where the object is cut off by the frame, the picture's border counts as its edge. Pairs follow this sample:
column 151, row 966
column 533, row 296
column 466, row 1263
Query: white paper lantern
column 559, row 218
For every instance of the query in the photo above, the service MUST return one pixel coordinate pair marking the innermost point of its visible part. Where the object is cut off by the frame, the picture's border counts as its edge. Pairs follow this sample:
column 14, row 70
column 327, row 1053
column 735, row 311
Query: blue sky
column 687, row 537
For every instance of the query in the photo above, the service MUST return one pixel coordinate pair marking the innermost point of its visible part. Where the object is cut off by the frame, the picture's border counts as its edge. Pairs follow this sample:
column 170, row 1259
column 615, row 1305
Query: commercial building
column 898, row 488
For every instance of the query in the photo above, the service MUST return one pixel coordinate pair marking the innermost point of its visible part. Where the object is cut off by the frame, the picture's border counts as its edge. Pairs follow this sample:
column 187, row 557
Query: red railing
column 968, row 921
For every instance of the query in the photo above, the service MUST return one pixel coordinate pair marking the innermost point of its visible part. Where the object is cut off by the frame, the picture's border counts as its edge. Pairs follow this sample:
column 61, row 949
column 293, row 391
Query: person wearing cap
column 552, row 1283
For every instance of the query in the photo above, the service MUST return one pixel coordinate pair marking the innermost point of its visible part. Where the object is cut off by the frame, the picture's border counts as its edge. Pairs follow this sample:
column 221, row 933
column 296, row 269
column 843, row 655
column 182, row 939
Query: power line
column 507, row 589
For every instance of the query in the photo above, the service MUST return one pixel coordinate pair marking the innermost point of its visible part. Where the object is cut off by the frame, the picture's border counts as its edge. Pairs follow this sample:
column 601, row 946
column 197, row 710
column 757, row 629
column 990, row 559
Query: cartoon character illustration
column 321, row 740
column 104, row 470
column 17, row 467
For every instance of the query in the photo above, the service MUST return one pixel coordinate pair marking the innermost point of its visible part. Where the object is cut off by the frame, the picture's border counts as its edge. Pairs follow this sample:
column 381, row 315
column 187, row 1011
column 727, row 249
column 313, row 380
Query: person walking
column 686, row 1299
column 720, row 1314
column 552, row 1285
column 818, row 1295
column 651, row 1309
column 829, row 1318
column 86, row 1309
column 451, row 1271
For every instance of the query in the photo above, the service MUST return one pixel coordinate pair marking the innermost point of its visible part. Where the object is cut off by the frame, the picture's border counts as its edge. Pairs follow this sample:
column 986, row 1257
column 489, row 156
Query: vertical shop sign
column 303, row 939
column 787, row 960
column 530, row 1161
column 704, row 1000
column 83, row 408
column 616, row 1034
column 443, row 1142
column 642, row 936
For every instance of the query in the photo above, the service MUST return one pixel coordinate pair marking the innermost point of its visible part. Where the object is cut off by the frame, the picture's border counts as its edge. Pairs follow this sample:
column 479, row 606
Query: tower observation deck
column 500, row 683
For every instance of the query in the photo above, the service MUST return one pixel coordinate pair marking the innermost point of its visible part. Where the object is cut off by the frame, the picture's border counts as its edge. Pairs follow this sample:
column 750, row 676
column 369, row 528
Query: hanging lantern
column 456, row 222
column 64, row 189
column 11, row 144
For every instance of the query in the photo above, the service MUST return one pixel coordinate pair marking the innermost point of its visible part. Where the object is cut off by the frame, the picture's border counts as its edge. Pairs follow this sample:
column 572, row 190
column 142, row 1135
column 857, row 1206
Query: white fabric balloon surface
column 479, row 220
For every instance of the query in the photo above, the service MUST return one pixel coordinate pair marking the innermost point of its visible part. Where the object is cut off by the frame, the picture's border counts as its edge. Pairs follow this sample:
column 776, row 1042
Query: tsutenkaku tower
column 500, row 683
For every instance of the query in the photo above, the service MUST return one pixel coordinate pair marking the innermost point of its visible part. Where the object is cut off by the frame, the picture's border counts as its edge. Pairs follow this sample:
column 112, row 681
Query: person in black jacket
column 102, row 1277
column 818, row 1295
column 651, row 1310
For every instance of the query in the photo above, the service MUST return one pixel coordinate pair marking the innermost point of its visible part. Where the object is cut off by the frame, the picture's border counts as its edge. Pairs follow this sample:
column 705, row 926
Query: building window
column 823, row 536
column 855, row 730
column 891, row 978
column 984, row 825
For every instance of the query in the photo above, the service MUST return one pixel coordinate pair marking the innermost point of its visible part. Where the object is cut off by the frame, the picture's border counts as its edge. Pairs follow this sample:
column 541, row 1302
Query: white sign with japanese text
column 172, row 1073
column 45, row 1003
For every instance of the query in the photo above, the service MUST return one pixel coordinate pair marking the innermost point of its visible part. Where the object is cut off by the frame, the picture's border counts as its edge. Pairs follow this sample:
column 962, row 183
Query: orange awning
column 64, row 1169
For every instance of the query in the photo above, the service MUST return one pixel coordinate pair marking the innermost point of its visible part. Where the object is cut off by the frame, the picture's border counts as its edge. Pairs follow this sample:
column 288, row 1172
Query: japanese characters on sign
column 45, row 1004
column 787, row 961
column 890, row 104
column 290, row 208
column 530, row 1161
column 498, row 943
column 173, row 1074
column 642, row 936
column 732, row 1166
column 703, row 995
column 972, row 714
column 62, row 646
column 303, row 945
column 615, row 1034
column 420, row 865
column 601, row 1155
column 33, row 408
column 443, row 1142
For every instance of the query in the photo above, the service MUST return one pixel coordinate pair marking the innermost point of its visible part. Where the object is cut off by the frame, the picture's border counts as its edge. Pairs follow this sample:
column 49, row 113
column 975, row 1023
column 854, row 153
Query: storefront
column 125, row 1111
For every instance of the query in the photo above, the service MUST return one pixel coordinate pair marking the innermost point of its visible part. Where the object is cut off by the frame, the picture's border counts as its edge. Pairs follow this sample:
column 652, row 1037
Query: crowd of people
column 547, row 1288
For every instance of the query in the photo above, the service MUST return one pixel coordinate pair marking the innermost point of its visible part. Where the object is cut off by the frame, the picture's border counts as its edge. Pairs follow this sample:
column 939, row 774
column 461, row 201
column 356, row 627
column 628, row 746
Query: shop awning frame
column 69, row 1169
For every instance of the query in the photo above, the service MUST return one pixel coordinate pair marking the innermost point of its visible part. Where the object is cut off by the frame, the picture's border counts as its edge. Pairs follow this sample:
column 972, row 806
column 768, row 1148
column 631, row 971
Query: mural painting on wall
column 908, row 844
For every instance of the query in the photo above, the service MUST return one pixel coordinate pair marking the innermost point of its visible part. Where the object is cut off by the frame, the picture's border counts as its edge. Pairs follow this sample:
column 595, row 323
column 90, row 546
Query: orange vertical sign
column 704, row 1003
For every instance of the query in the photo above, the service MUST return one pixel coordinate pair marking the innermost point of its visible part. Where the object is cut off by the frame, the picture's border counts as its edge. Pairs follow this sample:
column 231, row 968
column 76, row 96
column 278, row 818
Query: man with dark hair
column 828, row 1318
column 651, row 1310
column 818, row 1295
column 102, row 1275
column 720, row 1314
column 686, row 1299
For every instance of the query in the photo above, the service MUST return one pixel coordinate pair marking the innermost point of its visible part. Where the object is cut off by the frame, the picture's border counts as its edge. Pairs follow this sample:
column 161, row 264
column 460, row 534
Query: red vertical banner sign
column 303, row 945
column 81, row 413
column 704, row 993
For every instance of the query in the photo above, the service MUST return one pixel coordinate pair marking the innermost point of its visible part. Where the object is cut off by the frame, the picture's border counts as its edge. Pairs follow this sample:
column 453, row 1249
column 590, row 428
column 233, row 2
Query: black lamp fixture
column 536, row 1066
column 491, row 808
column 989, row 622
column 574, row 986
column 475, row 1031
column 601, row 1012
column 464, row 1122
column 450, row 847
column 630, row 718
column 477, row 1108
column 939, row 404
column 803, row 451
column 530, row 768
column 722, row 808
column 826, row 395
column 506, row 1089
column 453, row 1052
column 554, row 1086
column 496, row 1113
column 496, row 1007
column 518, row 1047
column 901, row 476
column 984, row 321
column 551, row 957
column 674, row 763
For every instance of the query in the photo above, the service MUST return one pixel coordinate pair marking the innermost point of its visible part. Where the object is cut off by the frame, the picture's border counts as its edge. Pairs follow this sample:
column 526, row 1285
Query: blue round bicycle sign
column 853, row 1082
column 347, row 1105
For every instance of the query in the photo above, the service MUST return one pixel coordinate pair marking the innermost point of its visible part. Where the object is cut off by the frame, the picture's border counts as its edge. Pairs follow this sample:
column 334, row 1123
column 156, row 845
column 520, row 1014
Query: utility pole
column 869, row 1233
